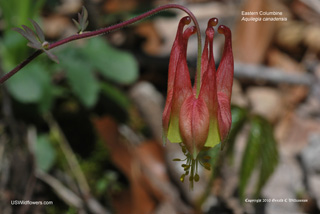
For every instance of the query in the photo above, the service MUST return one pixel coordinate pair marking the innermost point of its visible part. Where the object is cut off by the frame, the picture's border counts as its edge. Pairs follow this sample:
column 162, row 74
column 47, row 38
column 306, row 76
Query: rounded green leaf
column 28, row 86
column 81, row 79
column 45, row 153
column 116, row 65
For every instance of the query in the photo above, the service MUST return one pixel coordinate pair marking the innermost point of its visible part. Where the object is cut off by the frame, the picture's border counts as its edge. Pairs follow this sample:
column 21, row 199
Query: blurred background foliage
column 86, row 133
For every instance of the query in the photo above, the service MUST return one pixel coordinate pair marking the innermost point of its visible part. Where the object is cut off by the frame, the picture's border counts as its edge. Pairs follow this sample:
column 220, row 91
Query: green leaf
column 269, row 155
column 113, row 64
column 29, row 35
column 251, row 156
column 45, row 153
column 261, row 151
column 38, row 29
column 81, row 78
column 51, row 56
column 82, row 22
column 30, row 84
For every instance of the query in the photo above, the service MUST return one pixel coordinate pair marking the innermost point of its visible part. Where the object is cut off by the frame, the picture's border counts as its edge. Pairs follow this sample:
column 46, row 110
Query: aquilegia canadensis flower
column 200, row 116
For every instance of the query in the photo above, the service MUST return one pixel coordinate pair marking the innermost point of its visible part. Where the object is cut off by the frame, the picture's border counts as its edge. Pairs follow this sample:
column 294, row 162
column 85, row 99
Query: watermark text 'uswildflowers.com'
column 28, row 202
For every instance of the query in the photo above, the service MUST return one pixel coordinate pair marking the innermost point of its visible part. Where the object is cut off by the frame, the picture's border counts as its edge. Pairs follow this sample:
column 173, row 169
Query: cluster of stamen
column 191, row 165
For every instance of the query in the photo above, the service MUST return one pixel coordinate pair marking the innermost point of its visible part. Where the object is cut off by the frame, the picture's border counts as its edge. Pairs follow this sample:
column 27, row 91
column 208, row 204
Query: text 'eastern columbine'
column 262, row 16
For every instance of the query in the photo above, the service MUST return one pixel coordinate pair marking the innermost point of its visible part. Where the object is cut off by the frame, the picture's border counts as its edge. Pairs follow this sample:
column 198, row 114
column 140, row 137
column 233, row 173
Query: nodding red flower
column 198, row 116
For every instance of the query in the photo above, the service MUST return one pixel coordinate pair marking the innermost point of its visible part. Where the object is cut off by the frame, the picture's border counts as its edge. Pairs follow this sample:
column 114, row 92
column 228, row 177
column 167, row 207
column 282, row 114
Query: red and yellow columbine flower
column 198, row 116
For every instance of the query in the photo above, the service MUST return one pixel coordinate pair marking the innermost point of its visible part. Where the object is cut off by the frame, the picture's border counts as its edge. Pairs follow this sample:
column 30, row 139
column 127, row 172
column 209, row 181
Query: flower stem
column 109, row 29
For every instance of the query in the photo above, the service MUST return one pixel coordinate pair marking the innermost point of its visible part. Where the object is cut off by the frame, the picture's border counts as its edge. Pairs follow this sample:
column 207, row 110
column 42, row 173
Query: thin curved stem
column 109, row 29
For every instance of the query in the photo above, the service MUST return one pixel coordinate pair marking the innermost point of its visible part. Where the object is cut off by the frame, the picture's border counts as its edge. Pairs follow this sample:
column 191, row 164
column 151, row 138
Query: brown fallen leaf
column 115, row 6
column 279, row 59
column 294, row 95
column 140, row 201
column 293, row 131
column 152, row 45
